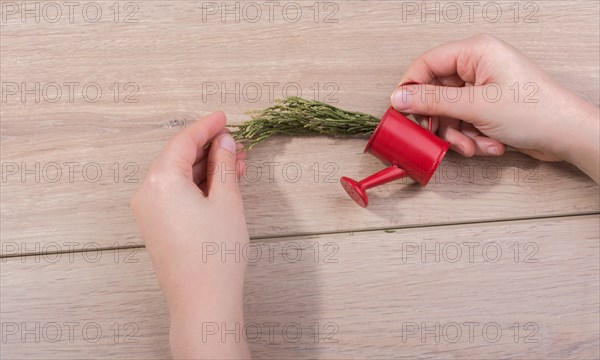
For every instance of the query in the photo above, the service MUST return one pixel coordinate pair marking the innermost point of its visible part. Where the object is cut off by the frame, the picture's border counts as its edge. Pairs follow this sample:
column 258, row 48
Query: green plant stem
column 295, row 116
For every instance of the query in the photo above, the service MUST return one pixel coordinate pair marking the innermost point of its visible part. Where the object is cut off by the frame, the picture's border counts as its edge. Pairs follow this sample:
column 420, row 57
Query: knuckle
column 491, row 42
column 156, row 181
column 487, row 38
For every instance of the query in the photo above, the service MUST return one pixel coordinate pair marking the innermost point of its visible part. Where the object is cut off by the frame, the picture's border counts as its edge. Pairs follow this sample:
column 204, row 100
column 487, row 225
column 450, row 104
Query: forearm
column 209, row 325
column 208, row 337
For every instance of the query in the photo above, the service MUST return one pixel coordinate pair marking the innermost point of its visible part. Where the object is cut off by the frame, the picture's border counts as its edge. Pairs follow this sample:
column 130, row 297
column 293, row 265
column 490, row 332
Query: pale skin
column 191, row 197
column 545, row 121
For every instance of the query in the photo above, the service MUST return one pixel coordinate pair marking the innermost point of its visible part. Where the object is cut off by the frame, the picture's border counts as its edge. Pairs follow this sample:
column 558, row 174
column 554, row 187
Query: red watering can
column 409, row 150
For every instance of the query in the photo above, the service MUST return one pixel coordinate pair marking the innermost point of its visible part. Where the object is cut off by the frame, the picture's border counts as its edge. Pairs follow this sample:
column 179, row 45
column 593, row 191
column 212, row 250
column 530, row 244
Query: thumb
column 222, row 178
column 456, row 102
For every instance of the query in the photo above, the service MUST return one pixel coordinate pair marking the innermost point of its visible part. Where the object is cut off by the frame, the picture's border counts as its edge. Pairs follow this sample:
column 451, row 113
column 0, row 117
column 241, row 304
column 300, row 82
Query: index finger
column 454, row 58
column 187, row 147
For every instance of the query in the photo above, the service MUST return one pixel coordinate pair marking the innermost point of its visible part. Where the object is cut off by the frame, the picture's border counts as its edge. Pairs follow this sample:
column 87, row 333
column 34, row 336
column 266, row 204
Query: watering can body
column 406, row 147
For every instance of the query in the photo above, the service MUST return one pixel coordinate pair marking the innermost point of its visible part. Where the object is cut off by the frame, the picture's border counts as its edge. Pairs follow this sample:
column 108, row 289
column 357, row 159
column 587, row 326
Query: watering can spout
column 358, row 189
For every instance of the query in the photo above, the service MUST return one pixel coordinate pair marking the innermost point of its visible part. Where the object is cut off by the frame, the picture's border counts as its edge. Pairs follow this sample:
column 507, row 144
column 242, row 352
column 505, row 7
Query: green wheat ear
column 295, row 116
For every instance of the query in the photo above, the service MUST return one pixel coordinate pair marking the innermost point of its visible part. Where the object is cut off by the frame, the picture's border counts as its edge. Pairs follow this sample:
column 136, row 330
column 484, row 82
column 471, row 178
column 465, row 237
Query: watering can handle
column 430, row 121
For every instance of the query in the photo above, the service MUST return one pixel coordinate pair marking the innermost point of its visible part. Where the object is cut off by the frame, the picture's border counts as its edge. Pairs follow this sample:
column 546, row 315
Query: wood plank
column 170, row 53
column 371, row 293
column 81, row 214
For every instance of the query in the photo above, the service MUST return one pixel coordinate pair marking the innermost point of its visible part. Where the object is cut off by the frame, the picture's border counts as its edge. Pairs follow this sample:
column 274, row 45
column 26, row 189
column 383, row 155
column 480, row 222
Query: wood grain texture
column 365, row 293
column 172, row 56
column 291, row 187
column 372, row 294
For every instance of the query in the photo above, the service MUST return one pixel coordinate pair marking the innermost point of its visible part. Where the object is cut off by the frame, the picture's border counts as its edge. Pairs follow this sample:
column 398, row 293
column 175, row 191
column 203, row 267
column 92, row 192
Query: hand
column 188, row 206
column 483, row 94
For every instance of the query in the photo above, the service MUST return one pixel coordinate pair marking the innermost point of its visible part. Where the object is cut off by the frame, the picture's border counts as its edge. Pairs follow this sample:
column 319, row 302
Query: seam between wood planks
column 295, row 236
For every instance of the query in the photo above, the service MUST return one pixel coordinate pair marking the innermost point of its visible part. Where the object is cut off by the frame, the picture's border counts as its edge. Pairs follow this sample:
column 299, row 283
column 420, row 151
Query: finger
column 203, row 188
column 484, row 146
column 423, row 121
column 202, row 153
column 241, row 154
column 540, row 155
column 199, row 172
column 458, row 57
column 465, row 103
column 200, row 168
column 452, row 80
column 241, row 164
column 240, row 157
column 222, row 180
column 449, row 130
column 187, row 147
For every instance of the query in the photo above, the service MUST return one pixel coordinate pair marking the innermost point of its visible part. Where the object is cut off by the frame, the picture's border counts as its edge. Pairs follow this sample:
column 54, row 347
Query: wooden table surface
column 495, row 258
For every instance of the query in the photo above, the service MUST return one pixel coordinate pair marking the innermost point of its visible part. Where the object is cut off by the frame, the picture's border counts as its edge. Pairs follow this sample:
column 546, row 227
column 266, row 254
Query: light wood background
column 171, row 57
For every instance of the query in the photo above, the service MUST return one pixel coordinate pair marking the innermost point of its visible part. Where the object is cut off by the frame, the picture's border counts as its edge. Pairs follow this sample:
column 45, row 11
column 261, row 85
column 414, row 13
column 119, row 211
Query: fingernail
column 401, row 99
column 227, row 143
column 492, row 150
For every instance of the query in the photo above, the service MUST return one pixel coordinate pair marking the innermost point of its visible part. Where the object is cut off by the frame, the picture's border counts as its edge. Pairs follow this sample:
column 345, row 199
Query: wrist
column 577, row 141
column 219, row 295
